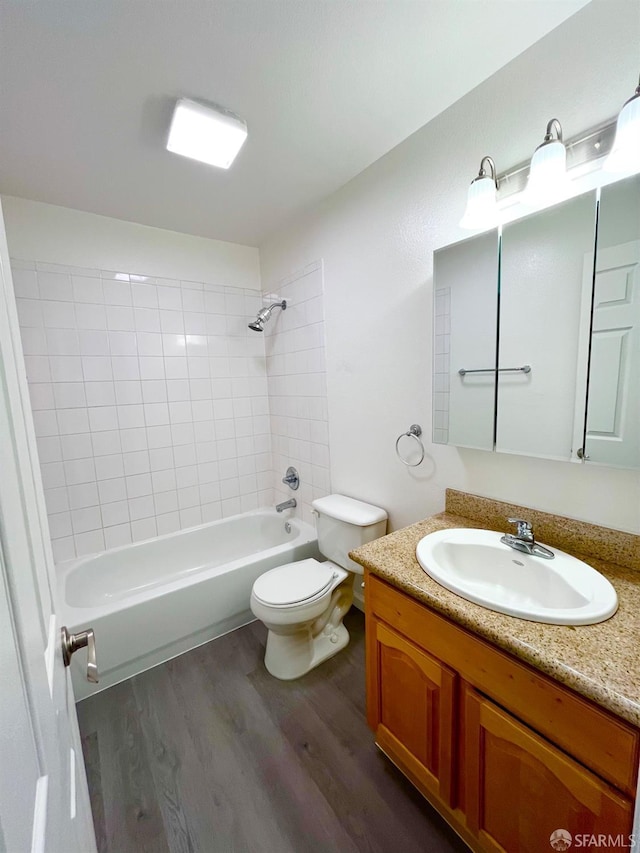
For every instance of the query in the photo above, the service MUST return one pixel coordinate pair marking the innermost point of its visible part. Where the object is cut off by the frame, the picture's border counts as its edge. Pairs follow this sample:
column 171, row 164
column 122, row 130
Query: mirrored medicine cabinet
column 537, row 333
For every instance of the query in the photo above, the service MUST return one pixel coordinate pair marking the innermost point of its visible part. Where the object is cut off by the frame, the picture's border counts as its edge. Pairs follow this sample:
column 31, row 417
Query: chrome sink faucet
column 524, row 540
column 290, row 504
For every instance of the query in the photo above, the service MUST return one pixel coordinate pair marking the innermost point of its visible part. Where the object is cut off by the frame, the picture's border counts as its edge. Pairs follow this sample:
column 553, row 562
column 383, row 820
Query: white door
column 613, row 412
column 44, row 801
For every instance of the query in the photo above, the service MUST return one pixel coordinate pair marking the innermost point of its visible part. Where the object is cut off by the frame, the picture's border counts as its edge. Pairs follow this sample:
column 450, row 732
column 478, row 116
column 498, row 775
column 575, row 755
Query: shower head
column 264, row 314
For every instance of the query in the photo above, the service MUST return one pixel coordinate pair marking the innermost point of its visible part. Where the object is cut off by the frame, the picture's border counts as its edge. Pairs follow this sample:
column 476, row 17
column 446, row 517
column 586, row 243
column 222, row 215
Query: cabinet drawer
column 594, row 737
column 520, row 789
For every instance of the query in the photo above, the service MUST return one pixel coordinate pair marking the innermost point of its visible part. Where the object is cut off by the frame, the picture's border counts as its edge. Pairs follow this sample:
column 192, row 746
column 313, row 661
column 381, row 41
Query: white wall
column 59, row 235
column 376, row 237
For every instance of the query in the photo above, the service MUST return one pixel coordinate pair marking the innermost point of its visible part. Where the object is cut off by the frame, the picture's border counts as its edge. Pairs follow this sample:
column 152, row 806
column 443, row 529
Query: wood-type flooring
column 208, row 753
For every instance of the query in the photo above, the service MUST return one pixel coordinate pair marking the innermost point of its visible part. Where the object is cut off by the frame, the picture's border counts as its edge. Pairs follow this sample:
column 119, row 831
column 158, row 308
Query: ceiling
column 326, row 88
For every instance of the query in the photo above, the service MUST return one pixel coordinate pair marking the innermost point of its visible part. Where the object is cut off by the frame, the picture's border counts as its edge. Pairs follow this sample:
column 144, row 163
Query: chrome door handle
column 72, row 642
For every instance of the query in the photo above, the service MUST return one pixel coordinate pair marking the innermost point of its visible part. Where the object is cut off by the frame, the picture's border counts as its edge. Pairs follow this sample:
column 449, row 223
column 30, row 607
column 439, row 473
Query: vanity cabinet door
column 411, row 708
column 520, row 789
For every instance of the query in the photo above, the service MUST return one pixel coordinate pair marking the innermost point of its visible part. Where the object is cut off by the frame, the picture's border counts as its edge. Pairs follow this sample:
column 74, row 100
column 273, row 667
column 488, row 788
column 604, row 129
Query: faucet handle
column 524, row 527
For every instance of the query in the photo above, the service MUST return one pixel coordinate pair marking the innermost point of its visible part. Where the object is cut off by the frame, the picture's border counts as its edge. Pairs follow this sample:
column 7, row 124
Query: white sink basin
column 478, row 566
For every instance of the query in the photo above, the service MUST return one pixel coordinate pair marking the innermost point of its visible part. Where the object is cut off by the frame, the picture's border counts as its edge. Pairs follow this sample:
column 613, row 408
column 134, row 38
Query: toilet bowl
column 303, row 603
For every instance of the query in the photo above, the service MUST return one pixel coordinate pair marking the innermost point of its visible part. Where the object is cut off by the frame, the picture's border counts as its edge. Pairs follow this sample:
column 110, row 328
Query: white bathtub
column 153, row 600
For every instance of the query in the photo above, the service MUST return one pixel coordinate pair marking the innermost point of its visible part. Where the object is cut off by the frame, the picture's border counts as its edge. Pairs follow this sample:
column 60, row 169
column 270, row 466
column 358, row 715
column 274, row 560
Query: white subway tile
column 56, row 286
column 182, row 434
column 105, row 443
column 187, row 476
column 112, row 490
column 100, row 393
column 83, row 495
column 138, row 485
column 165, row 502
column 176, row 368
column 87, row 289
column 97, row 368
column 120, row 318
column 56, row 500
column 136, row 462
column 116, row 292
column 209, row 493
column 154, row 390
column 192, row 300
column 151, row 367
column 41, row 394
column 147, row 319
column 149, row 343
column 86, row 519
column 52, row 475
column 118, row 535
column 170, row 298
column 184, row 454
column 115, row 512
column 177, row 390
column 72, row 420
column 63, row 549
column 161, row 458
column 174, row 345
column 159, row 436
column 163, row 481
column 78, row 471
column 90, row 316
column 25, row 283
column 93, row 342
column 130, row 417
column 110, row 466
column 190, row 517
column 60, row 524
column 49, row 449
column 123, row 343
column 145, row 528
column 76, row 446
column 211, row 512
column 69, row 395
column 103, row 418
column 133, row 439
column 125, row 368
column 30, row 312
column 168, row 522
column 128, row 393
column 144, row 295
column 156, row 414
column 171, row 322
column 141, row 507
column 89, row 543
column 45, row 423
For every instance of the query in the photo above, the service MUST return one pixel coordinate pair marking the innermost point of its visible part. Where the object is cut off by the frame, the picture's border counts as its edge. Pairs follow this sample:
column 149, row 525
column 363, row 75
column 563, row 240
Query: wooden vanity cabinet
column 505, row 753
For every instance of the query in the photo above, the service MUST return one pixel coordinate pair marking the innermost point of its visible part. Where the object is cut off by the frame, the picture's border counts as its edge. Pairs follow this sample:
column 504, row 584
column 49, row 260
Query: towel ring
column 414, row 431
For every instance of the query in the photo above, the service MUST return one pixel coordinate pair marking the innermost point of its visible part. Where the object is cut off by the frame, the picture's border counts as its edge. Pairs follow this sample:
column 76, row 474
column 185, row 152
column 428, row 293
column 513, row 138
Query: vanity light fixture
column 548, row 170
column 625, row 154
column 206, row 133
column 482, row 205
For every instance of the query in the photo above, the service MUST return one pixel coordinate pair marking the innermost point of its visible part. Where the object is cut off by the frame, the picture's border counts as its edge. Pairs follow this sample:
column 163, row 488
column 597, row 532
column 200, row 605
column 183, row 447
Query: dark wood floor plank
column 132, row 819
column 91, row 753
column 265, row 780
column 220, row 757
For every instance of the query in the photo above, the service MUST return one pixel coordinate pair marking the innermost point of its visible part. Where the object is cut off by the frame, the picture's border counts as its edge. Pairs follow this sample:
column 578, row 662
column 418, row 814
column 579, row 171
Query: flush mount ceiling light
column 625, row 154
column 482, row 206
column 548, row 170
column 209, row 134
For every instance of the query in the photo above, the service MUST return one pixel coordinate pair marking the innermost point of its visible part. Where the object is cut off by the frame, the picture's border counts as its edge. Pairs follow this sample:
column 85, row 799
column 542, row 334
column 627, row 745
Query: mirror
column 561, row 335
column 612, row 435
column 546, row 259
column 465, row 330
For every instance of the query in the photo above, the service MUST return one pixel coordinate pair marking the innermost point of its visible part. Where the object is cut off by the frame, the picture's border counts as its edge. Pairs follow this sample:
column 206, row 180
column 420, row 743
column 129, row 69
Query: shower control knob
column 291, row 478
column 84, row 639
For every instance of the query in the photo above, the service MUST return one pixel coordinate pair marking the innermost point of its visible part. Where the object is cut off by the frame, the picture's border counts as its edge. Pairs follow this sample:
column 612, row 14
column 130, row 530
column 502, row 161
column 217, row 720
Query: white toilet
column 303, row 604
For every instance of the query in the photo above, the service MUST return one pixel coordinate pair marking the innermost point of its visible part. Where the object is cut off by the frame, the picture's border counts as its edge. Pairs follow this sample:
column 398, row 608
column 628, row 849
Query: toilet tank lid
column 349, row 510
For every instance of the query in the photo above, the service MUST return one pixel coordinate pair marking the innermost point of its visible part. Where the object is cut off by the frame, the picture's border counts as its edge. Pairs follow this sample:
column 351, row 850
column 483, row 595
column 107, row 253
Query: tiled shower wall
column 150, row 402
column 295, row 348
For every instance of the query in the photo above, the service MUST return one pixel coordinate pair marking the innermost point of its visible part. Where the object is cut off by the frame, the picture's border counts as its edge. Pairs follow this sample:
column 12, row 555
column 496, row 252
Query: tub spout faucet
column 290, row 504
column 524, row 540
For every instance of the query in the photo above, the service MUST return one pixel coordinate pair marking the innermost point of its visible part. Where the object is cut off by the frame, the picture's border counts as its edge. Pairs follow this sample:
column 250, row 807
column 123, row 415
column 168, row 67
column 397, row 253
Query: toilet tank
column 344, row 524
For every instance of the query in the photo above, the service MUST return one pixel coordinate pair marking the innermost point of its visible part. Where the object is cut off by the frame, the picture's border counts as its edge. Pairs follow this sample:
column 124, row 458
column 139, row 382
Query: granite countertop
column 598, row 661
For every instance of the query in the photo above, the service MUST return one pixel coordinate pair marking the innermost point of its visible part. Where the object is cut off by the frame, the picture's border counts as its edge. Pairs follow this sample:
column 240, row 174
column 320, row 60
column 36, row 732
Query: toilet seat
column 296, row 583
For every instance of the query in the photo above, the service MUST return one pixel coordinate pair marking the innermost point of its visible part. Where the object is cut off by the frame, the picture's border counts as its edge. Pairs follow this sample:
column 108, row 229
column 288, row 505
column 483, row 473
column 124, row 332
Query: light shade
column 547, row 173
column 482, row 206
column 206, row 133
column 625, row 154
